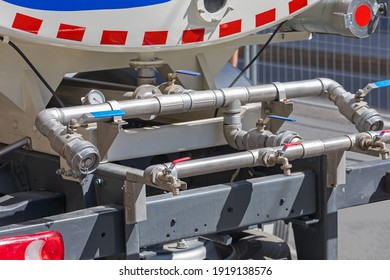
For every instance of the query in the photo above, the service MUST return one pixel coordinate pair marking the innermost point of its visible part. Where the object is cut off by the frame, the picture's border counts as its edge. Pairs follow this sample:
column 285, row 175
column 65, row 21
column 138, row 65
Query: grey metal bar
column 228, row 207
column 118, row 171
column 318, row 240
column 15, row 146
column 365, row 183
column 99, row 231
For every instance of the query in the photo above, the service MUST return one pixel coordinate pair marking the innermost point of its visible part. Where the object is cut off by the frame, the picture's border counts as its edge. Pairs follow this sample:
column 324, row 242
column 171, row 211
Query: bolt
column 99, row 182
column 181, row 244
column 60, row 171
column 201, row 11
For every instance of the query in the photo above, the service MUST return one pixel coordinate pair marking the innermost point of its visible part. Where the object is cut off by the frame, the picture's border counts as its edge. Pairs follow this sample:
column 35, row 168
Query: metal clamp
column 282, row 95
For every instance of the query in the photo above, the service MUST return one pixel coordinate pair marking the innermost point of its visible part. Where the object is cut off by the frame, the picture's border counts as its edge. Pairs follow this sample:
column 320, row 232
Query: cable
column 25, row 58
column 257, row 55
column 253, row 60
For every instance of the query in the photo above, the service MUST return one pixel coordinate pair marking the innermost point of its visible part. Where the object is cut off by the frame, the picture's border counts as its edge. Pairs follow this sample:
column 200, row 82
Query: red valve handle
column 176, row 161
column 383, row 132
column 286, row 146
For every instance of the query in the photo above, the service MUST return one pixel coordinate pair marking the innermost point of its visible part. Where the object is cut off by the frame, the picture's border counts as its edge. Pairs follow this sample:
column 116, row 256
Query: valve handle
column 286, row 146
column 368, row 88
column 274, row 117
column 383, row 132
column 188, row 72
column 176, row 161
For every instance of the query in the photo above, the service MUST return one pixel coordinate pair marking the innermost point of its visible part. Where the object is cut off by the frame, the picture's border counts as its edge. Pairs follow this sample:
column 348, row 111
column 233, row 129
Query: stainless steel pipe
column 84, row 157
column 259, row 157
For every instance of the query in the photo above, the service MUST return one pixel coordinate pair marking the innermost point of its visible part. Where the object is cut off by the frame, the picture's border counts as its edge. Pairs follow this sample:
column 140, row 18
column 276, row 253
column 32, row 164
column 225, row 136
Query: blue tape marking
column 83, row 5
column 187, row 72
column 108, row 114
column 382, row 84
column 282, row 118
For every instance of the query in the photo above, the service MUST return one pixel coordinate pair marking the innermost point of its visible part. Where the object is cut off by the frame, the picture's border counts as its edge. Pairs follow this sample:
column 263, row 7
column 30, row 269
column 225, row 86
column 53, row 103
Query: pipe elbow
column 80, row 155
column 331, row 87
column 233, row 133
column 47, row 119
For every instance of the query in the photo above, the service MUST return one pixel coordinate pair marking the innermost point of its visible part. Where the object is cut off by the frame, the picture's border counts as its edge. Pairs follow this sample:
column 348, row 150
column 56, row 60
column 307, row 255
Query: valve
column 164, row 177
column 170, row 87
column 380, row 135
column 286, row 146
column 173, row 164
column 356, row 110
column 172, row 76
column 188, row 73
column 261, row 124
column 361, row 93
column 279, row 158
column 376, row 144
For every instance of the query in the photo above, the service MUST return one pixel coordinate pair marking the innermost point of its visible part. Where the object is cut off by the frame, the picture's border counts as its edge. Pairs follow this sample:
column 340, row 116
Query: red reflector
column 27, row 23
column 193, row 36
column 155, row 38
column 113, row 37
column 296, row 5
column 265, row 17
column 71, row 32
column 230, row 28
column 363, row 15
column 47, row 245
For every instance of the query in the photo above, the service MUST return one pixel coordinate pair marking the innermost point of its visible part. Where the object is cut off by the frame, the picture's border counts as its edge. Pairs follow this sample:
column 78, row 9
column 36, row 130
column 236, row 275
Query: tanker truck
column 126, row 135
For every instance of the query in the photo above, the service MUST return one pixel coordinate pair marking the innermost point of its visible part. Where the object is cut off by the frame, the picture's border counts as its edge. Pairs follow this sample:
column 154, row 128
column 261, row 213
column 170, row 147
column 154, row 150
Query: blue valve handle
column 281, row 118
column 382, row 84
column 368, row 88
column 187, row 72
